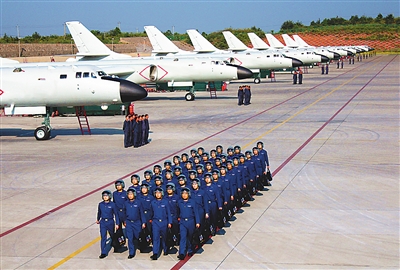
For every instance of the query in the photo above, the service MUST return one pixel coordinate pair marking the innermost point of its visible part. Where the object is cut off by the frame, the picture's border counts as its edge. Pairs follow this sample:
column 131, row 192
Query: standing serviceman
column 264, row 159
column 327, row 69
column 300, row 72
column 135, row 220
column 161, row 221
column 294, row 76
column 322, row 68
column 173, row 199
column 106, row 212
column 247, row 95
column 127, row 132
column 119, row 198
column 189, row 220
column 147, row 130
column 240, row 96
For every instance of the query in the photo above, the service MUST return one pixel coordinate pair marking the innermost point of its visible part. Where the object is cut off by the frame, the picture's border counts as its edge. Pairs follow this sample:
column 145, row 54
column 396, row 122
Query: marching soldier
column 106, row 212
column 173, row 199
column 119, row 198
column 135, row 179
column 161, row 221
column 127, row 132
column 189, row 220
column 135, row 221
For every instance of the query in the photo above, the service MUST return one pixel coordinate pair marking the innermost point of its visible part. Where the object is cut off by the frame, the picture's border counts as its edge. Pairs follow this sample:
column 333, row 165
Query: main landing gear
column 44, row 132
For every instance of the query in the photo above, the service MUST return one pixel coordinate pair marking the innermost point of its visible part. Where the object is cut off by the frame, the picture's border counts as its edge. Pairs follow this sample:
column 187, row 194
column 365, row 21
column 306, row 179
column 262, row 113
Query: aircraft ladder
column 83, row 120
column 212, row 89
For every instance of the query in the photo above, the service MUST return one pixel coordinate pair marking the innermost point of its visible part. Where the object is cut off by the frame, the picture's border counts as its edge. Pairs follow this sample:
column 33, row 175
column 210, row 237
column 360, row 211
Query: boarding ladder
column 83, row 120
column 212, row 89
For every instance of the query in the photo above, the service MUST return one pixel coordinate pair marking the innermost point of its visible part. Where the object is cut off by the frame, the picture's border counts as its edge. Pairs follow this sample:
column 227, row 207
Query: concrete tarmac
column 333, row 144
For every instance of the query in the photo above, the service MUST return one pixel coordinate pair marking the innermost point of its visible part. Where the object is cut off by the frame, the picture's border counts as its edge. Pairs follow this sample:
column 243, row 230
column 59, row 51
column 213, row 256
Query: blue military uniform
column 134, row 220
column 160, row 220
column 106, row 212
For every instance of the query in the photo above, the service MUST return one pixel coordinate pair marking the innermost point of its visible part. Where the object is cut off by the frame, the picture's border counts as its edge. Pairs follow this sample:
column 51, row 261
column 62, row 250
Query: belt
column 145, row 212
column 209, row 201
column 132, row 220
column 120, row 210
column 106, row 219
column 187, row 219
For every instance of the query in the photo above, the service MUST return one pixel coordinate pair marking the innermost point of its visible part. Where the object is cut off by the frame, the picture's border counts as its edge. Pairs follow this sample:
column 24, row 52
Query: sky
column 47, row 17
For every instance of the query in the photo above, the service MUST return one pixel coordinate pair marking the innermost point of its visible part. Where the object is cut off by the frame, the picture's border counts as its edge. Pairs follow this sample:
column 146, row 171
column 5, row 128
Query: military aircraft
column 203, row 48
column 34, row 90
column 175, row 71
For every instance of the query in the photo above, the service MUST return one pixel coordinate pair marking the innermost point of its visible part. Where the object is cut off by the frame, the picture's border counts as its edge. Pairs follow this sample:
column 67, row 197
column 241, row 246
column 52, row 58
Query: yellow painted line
column 245, row 146
column 73, row 254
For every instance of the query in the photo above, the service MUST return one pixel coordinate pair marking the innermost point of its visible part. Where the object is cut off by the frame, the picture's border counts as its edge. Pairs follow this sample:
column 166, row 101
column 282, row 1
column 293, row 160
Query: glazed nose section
column 296, row 63
column 242, row 72
column 131, row 91
column 336, row 56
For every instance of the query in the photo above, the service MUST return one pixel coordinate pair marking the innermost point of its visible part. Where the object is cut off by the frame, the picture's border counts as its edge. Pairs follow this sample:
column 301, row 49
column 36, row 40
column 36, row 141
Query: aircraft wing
column 7, row 62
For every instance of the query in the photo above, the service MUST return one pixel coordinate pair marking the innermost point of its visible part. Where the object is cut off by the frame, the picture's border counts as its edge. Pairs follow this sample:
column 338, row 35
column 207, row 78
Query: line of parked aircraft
column 100, row 76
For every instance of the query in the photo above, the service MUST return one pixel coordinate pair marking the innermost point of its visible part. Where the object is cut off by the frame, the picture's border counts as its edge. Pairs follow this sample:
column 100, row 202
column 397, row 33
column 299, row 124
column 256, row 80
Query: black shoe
column 181, row 257
column 131, row 256
column 102, row 256
column 165, row 252
column 190, row 254
column 154, row 257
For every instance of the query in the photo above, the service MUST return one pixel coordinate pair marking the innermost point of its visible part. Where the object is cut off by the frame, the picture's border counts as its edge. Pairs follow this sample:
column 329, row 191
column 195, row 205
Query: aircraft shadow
column 19, row 132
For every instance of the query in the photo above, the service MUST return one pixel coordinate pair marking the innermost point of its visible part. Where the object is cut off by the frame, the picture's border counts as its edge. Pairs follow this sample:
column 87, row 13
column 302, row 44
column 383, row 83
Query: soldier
column 147, row 128
column 133, row 127
column 188, row 167
column 106, row 212
column 137, row 133
column 247, row 95
column 208, row 167
column 259, row 168
column 200, row 172
column 200, row 151
column 182, row 182
column 148, row 174
column 169, row 178
column 127, row 132
column 300, row 72
column 146, row 198
column 205, row 157
column 189, row 220
column 214, row 200
column 322, row 69
column 119, row 198
column 337, row 64
column 240, row 96
column 192, row 176
column 234, row 180
column 158, row 182
column 176, row 160
column 220, row 150
column 177, row 172
column 217, row 163
column 229, row 191
column 167, row 166
column 173, row 199
column 237, row 151
column 184, row 159
column 157, row 171
column 223, row 159
column 264, row 156
column 135, row 179
column 144, row 131
column 193, row 152
column 326, row 69
column 201, row 201
column 251, row 169
column 135, row 221
column 213, row 156
column 161, row 221
column 230, row 153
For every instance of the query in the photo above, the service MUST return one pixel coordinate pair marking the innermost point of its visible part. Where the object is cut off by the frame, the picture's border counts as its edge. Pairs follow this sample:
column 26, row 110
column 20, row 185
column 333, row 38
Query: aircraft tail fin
column 289, row 41
column 200, row 43
column 300, row 41
column 88, row 44
column 274, row 42
column 233, row 42
column 160, row 43
column 257, row 42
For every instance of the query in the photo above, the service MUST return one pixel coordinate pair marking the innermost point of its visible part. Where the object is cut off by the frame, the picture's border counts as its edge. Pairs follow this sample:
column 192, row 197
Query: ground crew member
column 229, row 191
column 189, row 220
column 161, row 221
column 135, row 221
column 234, row 179
column 147, row 128
column 322, row 68
column 240, row 96
column 300, row 72
column 295, row 77
column 327, row 69
column 106, row 212
column 127, row 132
column 137, row 133
column 119, row 198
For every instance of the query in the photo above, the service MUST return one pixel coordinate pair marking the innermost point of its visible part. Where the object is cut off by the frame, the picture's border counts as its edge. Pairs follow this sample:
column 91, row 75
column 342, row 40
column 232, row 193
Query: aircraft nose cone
column 296, row 63
column 336, row 56
column 243, row 73
column 324, row 59
column 130, row 91
column 349, row 53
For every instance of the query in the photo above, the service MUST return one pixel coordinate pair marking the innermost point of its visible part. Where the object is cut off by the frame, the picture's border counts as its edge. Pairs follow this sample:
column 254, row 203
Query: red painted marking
column 166, row 73
column 1, row 92
column 162, row 159
column 141, row 73
column 240, row 62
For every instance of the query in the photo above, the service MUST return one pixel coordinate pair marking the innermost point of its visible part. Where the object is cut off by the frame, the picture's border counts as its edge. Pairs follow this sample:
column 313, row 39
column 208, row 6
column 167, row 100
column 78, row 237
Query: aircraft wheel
column 257, row 80
column 189, row 97
column 42, row 133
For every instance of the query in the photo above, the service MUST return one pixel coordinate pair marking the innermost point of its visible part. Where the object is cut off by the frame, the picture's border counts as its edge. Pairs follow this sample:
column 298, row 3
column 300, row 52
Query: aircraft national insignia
column 1, row 92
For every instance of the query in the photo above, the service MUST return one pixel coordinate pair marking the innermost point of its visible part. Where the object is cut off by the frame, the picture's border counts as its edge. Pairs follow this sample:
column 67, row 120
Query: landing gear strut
column 44, row 132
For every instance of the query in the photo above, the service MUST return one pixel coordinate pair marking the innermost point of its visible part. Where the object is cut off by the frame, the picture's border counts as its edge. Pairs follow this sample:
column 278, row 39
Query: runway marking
column 73, row 254
column 180, row 263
